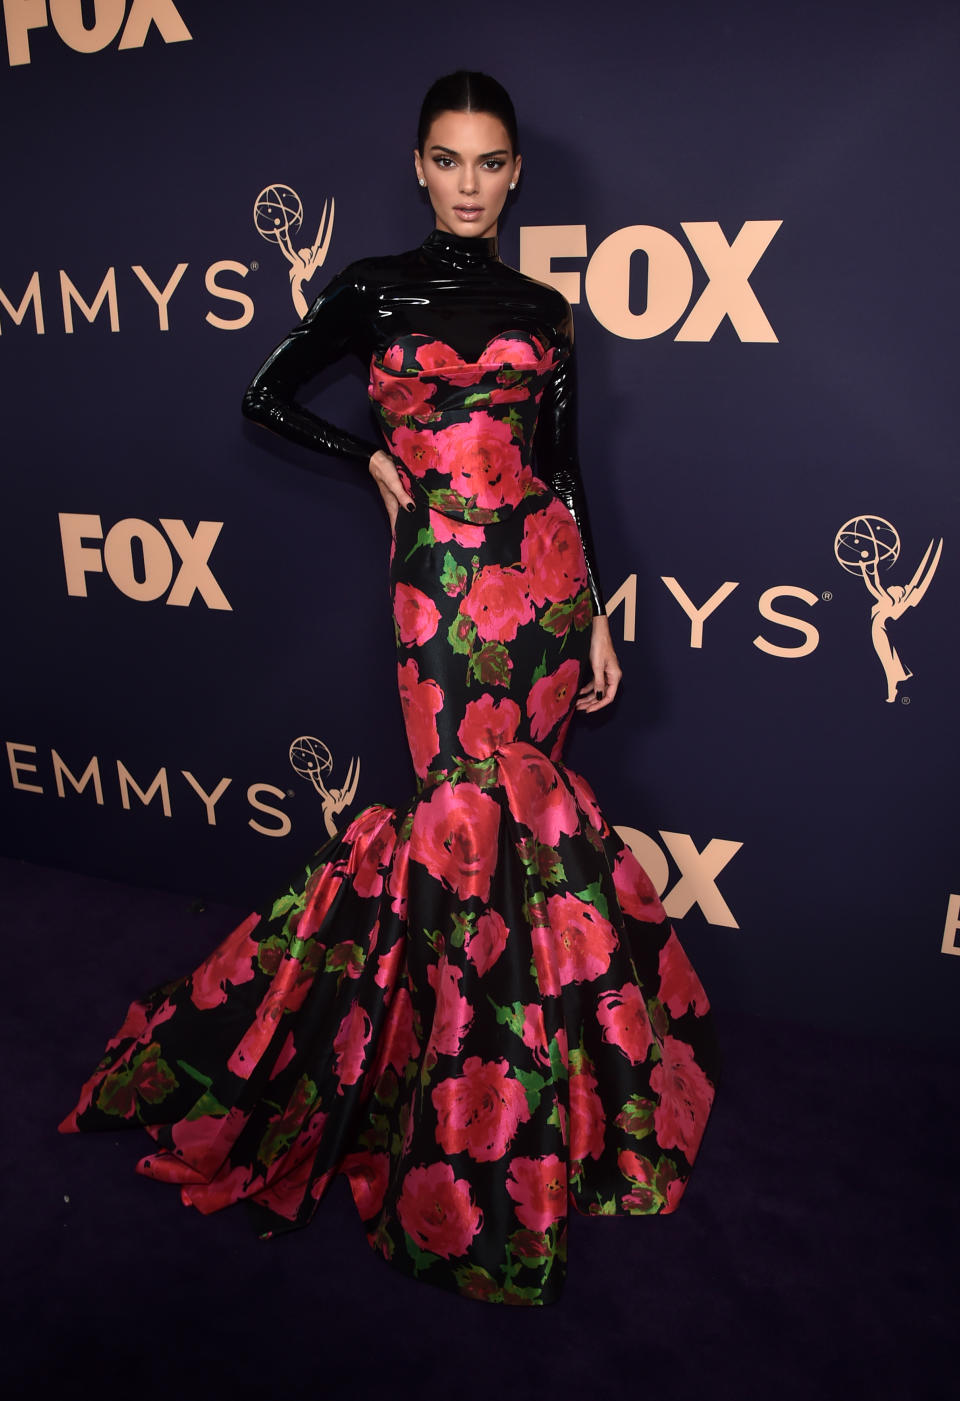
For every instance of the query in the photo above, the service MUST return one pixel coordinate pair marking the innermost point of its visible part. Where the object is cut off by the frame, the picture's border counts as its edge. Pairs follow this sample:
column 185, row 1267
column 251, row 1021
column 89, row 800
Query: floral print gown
column 473, row 1007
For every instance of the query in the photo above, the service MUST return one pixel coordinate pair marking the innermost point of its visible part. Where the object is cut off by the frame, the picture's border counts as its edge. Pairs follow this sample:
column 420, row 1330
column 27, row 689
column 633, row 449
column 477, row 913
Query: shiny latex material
column 458, row 291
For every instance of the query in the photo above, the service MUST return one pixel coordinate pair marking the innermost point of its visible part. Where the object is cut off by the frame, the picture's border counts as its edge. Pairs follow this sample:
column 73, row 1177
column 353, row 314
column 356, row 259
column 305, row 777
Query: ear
column 418, row 164
column 517, row 163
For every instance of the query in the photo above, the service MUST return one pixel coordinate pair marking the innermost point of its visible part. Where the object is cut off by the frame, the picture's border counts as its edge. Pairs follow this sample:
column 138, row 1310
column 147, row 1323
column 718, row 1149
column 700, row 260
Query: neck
column 460, row 251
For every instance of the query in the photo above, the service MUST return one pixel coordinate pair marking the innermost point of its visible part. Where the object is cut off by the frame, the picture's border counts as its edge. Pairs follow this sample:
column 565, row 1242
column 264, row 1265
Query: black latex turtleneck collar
column 459, row 251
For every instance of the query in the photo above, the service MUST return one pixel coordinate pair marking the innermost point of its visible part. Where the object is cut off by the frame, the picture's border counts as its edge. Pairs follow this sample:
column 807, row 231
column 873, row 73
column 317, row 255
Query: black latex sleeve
column 558, row 461
column 325, row 335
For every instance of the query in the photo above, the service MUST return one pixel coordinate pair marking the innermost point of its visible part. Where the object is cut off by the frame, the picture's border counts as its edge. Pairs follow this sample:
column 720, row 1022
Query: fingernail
column 409, row 506
column 599, row 695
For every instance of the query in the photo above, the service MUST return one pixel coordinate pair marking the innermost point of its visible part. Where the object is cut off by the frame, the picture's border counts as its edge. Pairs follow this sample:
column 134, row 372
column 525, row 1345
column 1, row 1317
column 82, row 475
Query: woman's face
column 468, row 166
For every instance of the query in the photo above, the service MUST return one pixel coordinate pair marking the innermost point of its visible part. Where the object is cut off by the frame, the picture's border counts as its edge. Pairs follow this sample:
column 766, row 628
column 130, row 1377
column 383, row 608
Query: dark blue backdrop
column 826, row 894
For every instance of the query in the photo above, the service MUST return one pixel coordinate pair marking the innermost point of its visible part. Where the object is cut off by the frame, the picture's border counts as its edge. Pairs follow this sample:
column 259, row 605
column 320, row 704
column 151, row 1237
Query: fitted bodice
column 463, row 353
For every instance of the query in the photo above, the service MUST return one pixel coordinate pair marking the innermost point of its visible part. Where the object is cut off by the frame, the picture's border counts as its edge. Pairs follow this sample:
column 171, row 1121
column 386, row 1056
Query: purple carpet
column 814, row 1256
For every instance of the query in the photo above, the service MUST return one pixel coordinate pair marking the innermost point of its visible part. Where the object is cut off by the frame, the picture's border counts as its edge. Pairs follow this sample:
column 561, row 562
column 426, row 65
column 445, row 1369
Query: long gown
column 473, row 1007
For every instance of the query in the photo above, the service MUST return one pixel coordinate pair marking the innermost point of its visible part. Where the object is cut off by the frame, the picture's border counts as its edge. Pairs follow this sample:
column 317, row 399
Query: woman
column 474, row 1007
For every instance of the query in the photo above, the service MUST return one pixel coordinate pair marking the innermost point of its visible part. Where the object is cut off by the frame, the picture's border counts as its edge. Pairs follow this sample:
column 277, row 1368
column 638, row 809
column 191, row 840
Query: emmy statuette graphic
column 277, row 217
column 864, row 545
column 311, row 759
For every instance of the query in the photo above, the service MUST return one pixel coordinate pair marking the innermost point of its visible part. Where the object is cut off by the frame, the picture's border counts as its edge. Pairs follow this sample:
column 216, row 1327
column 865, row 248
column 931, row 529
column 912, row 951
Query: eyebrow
column 448, row 150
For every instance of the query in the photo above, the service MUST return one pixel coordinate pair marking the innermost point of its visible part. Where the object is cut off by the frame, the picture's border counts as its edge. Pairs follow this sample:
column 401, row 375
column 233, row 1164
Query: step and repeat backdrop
column 753, row 213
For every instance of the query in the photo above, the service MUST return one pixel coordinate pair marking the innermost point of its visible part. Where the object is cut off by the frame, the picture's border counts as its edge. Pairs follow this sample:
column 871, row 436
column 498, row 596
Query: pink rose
column 350, row 1044
column 534, row 1033
column 400, row 396
column 539, row 1188
column 368, row 1175
column 445, row 528
column 623, row 1016
column 486, row 943
column 437, row 358
column 231, row 962
column 398, row 1042
column 586, row 801
column 422, row 702
column 498, row 603
column 437, row 1210
column 416, row 450
column 452, row 1014
column 513, row 351
column 484, row 461
column 685, row 1096
column 370, row 854
column 587, row 1120
column 455, row 834
column 488, row 725
column 680, row 987
column 634, row 888
column 574, row 947
column 552, row 555
column 416, row 615
column 552, row 697
column 479, row 1111
column 537, row 795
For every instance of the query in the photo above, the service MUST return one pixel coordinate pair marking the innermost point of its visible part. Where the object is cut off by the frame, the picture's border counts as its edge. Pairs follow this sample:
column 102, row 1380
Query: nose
column 468, row 180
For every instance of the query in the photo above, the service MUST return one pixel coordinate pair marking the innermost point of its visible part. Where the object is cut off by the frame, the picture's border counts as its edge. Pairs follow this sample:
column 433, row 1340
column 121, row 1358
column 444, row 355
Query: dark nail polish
column 599, row 695
column 408, row 506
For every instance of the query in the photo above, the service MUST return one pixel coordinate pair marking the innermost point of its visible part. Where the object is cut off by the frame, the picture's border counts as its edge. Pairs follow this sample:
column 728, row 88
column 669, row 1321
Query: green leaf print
column 593, row 895
column 557, row 619
column 453, row 576
column 422, row 1259
column 511, row 1016
column 461, row 635
column 636, row 1117
column 425, row 536
column 533, row 1085
column 491, row 664
column 541, row 670
column 206, row 1105
column 283, row 905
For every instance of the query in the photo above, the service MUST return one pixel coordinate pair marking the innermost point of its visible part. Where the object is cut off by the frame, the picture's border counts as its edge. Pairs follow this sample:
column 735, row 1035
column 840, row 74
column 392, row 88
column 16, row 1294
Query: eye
column 495, row 163
column 444, row 162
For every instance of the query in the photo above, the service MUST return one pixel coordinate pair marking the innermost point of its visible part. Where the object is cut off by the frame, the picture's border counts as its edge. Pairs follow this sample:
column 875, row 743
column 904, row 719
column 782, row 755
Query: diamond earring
column 423, row 182
column 513, row 184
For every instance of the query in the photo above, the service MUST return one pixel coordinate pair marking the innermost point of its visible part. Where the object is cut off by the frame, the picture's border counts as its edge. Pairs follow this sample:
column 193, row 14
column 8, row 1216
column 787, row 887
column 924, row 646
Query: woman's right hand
column 384, row 472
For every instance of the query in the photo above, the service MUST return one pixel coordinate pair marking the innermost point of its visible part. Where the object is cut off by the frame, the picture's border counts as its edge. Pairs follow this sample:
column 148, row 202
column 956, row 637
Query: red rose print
column 232, row 963
column 400, row 396
column 350, row 1044
column 417, row 615
column 368, row 1174
column 422, row 702
column 685, row 1096
column 204, row 1143
column 587, row 1121
column 552, row 555
column 388, row 965
column 511, row 350
column 680, row 987
column 287, row 1052
column 415, row 449
column 479, row 1111
column 556, row 749
column 487, row 941
column 452, row 1013
column 635, row 1167
column 483, row 461
column 534, row 1034
column 435, row 357
column 487, row 725
column 398, row 1042
column 530, row 1245
column 623, row 1015
column 552, row 697
column 515, row 395
column 454, row 835
column 539, row 1188
column 575, row 947
column 537, row 795
column 137, row 1026
column 437, row 1210
column 397, row 880
column 635, row 890
column 498, row 603
column 393, row 359
column 445, row 528
column 586, row 802
column 370, row 854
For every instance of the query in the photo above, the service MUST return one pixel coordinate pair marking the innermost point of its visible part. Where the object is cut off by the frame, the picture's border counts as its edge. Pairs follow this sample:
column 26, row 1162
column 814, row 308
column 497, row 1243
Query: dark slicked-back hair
column 464, row 91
